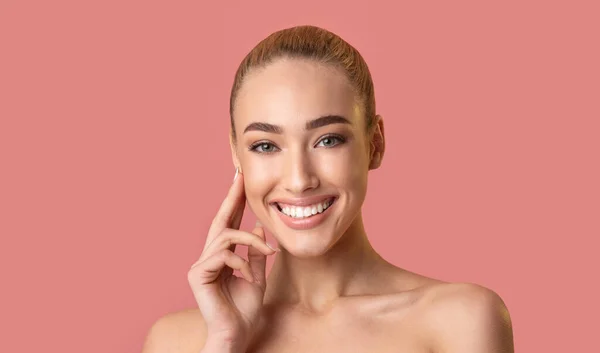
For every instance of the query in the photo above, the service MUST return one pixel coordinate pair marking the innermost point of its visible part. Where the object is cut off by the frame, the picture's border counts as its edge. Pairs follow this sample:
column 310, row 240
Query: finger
column 257, row 259
column 237, row 218
column 238, row 213
column 234, row 201
column 207, row 271
column 229, row 238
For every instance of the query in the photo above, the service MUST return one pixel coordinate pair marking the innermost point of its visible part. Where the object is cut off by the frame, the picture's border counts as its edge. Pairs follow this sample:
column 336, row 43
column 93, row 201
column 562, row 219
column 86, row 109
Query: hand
column 231, row 305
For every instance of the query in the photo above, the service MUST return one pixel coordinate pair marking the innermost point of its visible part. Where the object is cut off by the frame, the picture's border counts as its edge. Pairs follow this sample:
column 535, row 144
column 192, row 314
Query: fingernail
column 273, row 248
column 236, row 173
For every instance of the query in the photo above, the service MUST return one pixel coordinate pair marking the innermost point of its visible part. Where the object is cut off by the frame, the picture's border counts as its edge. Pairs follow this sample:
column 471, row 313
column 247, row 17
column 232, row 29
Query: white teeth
column 303, row 212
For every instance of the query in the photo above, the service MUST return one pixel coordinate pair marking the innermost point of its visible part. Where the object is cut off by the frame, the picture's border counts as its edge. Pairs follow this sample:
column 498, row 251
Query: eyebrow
column 311, row 125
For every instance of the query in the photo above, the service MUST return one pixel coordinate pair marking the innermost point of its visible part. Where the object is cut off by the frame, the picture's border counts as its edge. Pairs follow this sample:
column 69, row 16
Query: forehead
column 290, row 91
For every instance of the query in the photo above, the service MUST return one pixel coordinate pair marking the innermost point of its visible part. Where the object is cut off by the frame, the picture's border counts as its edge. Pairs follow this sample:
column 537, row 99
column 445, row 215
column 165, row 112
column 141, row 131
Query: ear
column 234, row 156
column 377, row 143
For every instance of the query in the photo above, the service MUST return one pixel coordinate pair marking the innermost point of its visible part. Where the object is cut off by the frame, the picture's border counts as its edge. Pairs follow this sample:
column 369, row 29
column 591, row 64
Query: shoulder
column 177, row 332
column 466, row 317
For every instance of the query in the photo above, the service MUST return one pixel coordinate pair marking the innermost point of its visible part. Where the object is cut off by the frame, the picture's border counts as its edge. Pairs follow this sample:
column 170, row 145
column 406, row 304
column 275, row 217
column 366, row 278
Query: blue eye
column 331, row 141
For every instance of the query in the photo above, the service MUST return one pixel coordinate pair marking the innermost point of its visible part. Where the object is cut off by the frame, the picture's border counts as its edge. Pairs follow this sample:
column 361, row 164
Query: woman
column 304, row 135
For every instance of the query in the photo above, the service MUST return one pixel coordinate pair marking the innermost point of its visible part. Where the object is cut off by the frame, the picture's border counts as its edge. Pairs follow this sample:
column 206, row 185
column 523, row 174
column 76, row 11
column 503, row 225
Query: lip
column 304, row 223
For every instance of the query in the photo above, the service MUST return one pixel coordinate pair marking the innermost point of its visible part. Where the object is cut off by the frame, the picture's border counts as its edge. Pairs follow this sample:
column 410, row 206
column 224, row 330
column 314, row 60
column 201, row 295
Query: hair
column 314, row 43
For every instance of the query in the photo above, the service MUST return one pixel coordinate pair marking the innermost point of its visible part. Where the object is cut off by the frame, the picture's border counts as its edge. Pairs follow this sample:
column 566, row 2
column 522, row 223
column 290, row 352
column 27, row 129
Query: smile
column 304, row 214
column 304, row 211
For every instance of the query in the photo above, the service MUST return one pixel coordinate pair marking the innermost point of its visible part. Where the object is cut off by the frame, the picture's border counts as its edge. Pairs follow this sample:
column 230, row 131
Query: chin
column 306, row 244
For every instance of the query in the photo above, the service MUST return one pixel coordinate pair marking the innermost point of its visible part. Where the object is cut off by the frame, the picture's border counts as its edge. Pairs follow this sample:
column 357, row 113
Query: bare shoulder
column 177, row 332
column 466, row 317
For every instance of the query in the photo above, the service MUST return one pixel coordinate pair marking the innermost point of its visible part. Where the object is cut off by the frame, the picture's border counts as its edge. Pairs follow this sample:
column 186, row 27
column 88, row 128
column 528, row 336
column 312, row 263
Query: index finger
column 231, row 210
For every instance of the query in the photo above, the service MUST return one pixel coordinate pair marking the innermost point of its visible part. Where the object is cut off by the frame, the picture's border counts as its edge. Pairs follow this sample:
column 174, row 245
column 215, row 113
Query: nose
column 299, row 173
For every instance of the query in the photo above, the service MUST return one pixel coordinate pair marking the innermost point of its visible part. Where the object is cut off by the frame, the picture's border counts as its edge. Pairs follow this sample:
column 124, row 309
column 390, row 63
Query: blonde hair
column 309, row 42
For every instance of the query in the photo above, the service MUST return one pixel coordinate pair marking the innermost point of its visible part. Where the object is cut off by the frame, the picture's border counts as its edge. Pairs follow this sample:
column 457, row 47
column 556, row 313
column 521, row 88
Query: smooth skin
column 328, row 289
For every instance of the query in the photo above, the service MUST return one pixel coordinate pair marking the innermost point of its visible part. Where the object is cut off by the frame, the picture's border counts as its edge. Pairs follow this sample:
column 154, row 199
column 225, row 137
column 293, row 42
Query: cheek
column 347, row 168
column 257, row 179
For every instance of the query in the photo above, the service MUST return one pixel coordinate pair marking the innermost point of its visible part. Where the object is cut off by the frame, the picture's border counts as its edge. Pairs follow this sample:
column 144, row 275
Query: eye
column 263, row 147
column 331, row 141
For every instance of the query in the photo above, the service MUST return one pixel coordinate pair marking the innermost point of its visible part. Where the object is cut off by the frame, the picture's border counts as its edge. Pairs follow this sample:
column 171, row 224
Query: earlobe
column 375, row 161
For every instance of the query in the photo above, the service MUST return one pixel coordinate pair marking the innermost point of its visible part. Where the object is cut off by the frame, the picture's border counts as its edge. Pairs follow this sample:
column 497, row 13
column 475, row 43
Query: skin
column 328, row 289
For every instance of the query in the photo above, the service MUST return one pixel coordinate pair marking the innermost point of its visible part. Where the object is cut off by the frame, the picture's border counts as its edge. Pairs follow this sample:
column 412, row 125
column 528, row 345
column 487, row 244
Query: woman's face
column 304, row 152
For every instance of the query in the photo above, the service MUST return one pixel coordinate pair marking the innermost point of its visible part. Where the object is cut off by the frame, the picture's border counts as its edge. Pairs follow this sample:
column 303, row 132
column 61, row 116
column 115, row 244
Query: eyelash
column 339, row 138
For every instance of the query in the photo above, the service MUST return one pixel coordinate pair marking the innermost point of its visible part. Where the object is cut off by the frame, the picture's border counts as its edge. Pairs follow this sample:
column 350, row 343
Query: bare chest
column 391, row 332
column 345, row 344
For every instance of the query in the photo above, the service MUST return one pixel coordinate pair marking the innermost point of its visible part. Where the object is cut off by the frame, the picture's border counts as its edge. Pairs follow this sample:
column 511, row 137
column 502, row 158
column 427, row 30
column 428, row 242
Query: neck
column 315, row 283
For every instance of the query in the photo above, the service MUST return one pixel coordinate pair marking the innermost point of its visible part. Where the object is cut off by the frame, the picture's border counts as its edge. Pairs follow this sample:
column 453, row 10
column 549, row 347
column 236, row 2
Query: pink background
column 115, row 158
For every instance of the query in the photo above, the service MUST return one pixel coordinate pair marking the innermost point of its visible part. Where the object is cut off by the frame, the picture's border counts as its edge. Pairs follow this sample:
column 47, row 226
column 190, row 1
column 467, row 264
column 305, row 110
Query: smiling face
column 302, row 144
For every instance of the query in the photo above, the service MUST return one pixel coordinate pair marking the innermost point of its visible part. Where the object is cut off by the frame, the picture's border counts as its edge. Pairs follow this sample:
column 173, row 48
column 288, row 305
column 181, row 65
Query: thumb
column 258, row 260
